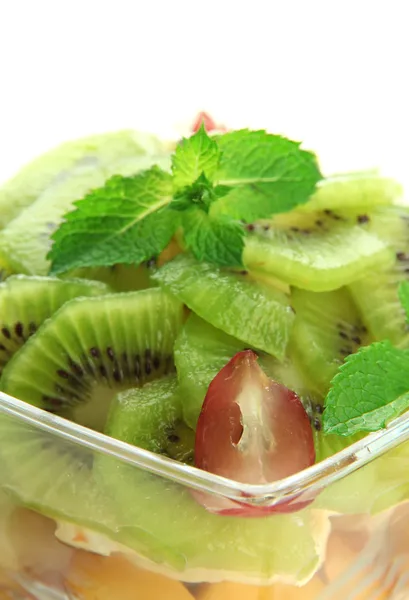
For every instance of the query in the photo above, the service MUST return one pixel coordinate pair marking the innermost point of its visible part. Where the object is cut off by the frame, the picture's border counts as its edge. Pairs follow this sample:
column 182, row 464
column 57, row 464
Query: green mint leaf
column 194, row 156
column 370, row 388
column 126, row 221
column 268, row 173
column 219, row 241
column 404, row 297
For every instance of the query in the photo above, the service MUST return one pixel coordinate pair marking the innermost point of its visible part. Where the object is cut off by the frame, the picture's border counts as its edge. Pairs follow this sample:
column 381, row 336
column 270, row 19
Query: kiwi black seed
column 26, row 301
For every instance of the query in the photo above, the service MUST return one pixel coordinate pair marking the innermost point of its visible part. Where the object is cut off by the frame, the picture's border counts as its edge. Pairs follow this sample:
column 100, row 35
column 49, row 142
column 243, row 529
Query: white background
column 333, row 74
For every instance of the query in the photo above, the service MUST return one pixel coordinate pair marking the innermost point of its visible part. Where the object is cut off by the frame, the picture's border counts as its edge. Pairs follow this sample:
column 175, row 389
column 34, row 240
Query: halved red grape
column 251, row 429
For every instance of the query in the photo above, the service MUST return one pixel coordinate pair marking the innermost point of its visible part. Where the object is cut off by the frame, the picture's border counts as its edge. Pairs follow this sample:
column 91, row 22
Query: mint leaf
column 219, row 241
column 194, row 156
column 126, row 221
column 370, row 388
column 404, row 297
column 268, row 173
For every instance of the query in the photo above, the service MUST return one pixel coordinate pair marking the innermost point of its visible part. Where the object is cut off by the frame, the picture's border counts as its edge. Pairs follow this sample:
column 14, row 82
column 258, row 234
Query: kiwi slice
column 376, row 294
column 319, row 251
column 327, row 328
column 163, row 521
column 222, row 298
column 25, row 242
column 358, row 189
column 151, row 417
column 52, row 475
column 99, row 152
column 26, row 301
column 91, row 347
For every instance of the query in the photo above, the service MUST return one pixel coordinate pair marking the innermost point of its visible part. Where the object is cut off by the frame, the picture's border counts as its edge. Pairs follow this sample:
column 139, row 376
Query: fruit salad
column 203, row 344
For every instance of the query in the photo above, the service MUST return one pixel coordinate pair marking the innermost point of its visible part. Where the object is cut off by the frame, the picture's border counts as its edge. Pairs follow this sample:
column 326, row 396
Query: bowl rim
column 307, row 483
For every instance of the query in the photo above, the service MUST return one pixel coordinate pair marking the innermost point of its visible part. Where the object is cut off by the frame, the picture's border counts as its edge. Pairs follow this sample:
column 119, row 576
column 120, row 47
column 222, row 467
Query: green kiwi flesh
column 327, row 328
column 26, row 301
column 106, row 153
column 222, row 298
column 52, row 475
column 91, row 347
column 319, row 251
column 351, row 190
column 25, row 241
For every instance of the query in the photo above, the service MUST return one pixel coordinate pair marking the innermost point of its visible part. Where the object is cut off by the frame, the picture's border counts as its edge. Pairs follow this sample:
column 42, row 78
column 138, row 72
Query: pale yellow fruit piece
column 93, row 577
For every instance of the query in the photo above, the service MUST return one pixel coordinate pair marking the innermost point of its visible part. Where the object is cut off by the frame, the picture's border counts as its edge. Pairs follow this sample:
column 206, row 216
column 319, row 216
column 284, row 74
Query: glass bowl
column 85, row 516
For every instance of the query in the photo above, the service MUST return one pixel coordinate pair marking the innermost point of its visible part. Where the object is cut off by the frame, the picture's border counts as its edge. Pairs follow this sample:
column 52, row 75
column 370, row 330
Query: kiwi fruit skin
column 318, row 251
column 222, row 298
column 93, row 346
column 26, row 301
column 58, row 165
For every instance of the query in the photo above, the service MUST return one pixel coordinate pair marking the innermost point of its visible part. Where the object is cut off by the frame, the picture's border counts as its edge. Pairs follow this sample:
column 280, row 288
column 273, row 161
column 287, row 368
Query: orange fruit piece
column 38, row 552
column 94, row 577
column 277, row 591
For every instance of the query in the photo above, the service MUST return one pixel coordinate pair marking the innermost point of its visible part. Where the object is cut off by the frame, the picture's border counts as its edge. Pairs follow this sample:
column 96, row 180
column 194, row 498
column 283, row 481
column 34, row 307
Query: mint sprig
column 215, row 184
column 124, row 222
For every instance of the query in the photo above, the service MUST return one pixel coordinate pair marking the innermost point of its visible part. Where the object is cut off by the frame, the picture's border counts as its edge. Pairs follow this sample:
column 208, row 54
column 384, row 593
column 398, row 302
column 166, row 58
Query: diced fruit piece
column 222, row 298
column 327, row 328
column 376, row 294
column 277, row 591
column 313, row 251
column 38, row 553
column 151, row 417
column 352, row 190
column 116, row 341
column 26, row 301
column 94, row 577
column 208, row 122
column 251, row 429
column 25, row 241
